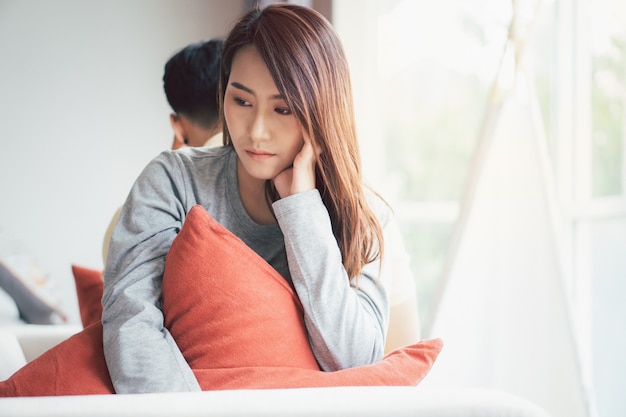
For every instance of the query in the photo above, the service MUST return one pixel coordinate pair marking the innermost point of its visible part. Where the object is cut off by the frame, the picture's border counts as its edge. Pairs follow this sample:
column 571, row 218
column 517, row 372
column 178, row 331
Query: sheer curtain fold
column 504, row 314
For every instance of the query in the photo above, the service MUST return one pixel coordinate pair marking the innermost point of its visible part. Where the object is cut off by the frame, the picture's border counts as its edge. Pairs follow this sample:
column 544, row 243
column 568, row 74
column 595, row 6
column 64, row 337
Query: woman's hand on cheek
column 301, row 176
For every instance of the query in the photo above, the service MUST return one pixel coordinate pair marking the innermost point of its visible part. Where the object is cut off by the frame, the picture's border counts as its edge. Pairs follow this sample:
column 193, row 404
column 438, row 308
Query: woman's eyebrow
column 242, row 87
column 250, row 91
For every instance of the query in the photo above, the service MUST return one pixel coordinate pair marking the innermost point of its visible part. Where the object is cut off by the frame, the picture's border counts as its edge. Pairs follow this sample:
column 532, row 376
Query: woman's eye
column 283, row 110
column 241, row 101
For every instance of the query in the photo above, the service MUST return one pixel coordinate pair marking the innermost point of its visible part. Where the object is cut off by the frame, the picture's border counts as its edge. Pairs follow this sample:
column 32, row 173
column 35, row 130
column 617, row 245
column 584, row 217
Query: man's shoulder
column 205, row 152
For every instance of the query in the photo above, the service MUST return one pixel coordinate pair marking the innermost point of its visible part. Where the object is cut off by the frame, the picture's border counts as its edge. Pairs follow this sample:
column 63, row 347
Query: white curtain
column 503, row 313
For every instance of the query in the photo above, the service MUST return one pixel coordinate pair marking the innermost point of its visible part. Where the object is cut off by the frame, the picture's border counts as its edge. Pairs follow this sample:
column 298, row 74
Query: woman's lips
column 258, row 154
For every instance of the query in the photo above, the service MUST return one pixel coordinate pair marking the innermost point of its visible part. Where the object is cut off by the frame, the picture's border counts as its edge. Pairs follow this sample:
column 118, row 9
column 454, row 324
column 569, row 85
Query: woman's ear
column 180, row 140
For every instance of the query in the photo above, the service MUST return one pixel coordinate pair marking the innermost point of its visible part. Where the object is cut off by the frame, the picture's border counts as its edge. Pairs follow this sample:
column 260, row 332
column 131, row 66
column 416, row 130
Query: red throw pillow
column 225, row 306
column 89, row 288
column 402, row 367
column 238, row 324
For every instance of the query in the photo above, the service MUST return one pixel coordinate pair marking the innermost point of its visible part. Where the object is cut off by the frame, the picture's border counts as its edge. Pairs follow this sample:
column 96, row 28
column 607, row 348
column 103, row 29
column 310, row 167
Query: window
column 608, row 87
column 422, row 74
column 436, row 63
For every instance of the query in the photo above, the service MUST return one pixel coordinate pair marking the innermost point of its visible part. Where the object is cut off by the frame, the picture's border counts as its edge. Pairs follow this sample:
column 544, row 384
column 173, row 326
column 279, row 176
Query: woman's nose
column 259, row 129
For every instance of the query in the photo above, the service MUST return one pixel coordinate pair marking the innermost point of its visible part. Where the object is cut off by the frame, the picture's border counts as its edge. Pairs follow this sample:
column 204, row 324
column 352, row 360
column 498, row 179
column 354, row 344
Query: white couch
column 22, row 343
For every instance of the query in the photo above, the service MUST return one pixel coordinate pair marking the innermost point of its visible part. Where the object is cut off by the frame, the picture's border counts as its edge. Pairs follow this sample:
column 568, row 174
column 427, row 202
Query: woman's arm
column 346, row 321
column 140, row 352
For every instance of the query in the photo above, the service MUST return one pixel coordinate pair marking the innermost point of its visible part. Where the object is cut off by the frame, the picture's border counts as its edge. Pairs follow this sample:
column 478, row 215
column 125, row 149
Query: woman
column 288, row 183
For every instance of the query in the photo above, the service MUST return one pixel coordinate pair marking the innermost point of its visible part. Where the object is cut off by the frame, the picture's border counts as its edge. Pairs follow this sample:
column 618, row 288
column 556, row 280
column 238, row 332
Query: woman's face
column 264, row 132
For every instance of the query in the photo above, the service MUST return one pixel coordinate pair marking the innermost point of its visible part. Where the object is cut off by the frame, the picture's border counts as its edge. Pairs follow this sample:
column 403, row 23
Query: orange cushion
column 89, row 287
column 241, row 305
column 237, row 322
column 402, row 367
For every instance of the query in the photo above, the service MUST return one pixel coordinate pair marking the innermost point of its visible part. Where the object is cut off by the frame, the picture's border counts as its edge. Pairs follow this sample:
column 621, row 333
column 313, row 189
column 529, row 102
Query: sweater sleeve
column 140, row 353
column 346, row 320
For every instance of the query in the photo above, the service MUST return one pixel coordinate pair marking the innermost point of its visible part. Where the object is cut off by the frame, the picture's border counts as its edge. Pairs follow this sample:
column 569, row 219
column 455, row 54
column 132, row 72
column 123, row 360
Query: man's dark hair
column 191, row 81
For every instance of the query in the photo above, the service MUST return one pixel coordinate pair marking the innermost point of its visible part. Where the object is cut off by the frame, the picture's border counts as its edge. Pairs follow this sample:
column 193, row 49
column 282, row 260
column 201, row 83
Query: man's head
column 190, row 82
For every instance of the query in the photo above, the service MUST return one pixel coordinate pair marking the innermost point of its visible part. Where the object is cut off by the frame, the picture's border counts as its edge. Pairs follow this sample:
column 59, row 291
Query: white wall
column 82, row 110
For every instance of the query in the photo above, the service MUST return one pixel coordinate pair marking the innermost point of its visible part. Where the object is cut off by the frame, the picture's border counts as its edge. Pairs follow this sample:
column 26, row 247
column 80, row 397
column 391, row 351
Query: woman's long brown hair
column 307, row 62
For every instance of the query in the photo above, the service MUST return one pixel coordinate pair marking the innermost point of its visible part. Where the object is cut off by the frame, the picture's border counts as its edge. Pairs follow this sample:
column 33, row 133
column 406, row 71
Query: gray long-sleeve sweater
column 346, row 323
